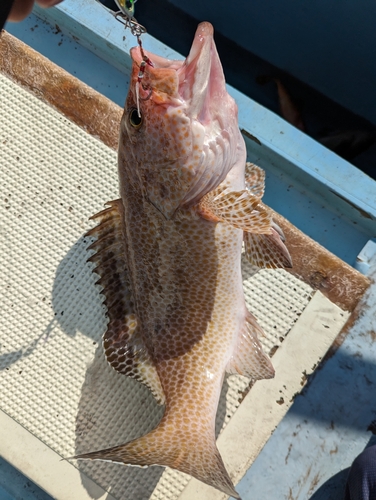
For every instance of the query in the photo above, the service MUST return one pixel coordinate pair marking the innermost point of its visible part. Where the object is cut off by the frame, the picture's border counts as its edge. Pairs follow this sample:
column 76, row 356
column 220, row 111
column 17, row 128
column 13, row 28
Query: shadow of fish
column 169, row 254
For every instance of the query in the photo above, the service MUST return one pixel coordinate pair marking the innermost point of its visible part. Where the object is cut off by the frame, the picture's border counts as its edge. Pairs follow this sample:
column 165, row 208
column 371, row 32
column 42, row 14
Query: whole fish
column 169, row 256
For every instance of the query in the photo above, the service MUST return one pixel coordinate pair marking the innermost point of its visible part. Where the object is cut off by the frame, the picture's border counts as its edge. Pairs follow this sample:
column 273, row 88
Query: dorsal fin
column 248, row 358
column 123, row 342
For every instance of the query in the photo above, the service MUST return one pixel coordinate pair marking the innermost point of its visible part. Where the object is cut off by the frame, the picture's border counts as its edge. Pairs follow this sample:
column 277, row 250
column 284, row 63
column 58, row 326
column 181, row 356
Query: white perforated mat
column 54, row 378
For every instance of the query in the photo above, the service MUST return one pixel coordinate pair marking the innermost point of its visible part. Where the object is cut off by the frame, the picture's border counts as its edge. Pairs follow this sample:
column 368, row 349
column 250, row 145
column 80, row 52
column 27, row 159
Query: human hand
column 22, row 8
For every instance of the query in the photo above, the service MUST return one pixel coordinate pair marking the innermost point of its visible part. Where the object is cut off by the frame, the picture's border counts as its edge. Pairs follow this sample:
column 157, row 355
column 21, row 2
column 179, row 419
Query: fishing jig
column 126, row 17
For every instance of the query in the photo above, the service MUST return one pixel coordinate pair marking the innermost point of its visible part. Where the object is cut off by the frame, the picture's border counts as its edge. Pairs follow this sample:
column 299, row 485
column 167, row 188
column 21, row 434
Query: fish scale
column 169, row 255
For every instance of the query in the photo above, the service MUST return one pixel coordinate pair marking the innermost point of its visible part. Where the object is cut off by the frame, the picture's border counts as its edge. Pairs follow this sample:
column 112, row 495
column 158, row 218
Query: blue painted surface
column 329, row 45
column 4, row 495
column 94, row 26
column 314, row 218
column 15, row 486
column 320, row 172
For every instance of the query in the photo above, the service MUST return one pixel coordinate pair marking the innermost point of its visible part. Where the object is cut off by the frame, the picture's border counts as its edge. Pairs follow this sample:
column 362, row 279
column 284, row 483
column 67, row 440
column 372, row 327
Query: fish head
column 179, row 131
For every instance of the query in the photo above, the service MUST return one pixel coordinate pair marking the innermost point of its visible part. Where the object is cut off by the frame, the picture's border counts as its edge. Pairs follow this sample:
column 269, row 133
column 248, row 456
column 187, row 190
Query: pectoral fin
column 123, row 342
column 268, row 249
column 239, row 209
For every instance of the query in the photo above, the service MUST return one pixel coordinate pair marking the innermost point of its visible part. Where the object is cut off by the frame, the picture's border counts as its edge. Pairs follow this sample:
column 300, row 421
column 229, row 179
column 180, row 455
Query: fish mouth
column 200, row 77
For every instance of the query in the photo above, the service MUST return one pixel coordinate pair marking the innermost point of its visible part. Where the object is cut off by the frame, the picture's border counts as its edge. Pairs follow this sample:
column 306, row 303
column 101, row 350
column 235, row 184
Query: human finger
column 48, row 3
column 20, row 9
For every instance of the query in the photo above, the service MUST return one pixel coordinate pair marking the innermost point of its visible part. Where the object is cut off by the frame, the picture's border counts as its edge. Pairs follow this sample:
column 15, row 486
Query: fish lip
column 197, row 73
column 159, row 62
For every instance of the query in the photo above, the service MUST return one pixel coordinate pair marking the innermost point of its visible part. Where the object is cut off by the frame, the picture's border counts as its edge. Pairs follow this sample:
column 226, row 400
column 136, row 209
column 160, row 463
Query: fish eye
column 135, row 119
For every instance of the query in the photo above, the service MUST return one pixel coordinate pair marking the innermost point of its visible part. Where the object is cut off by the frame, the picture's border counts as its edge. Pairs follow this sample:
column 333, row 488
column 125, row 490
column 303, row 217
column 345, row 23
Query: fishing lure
column 126, row 6
column 126, row 16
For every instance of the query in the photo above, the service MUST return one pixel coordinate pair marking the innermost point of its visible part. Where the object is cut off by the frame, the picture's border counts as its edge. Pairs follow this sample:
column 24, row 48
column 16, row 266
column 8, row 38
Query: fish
column 168, row 253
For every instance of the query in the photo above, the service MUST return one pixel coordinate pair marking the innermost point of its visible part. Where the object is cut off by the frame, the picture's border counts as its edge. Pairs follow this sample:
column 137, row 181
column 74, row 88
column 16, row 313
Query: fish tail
column 199, row 457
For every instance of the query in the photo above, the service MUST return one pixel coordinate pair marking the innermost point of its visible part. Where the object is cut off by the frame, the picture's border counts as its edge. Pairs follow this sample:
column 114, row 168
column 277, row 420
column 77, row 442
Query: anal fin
column 123, row 344
column 248, row 358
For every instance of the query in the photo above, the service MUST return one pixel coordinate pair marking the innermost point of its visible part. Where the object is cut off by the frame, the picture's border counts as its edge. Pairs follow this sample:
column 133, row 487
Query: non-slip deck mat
column 54, row 378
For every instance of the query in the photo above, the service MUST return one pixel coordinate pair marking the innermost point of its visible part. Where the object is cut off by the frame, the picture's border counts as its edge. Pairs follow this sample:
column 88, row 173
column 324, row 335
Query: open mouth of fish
column 200, row 76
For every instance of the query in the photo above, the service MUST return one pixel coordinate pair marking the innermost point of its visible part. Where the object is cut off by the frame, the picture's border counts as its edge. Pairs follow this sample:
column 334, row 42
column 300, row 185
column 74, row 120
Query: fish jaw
column 188, row 139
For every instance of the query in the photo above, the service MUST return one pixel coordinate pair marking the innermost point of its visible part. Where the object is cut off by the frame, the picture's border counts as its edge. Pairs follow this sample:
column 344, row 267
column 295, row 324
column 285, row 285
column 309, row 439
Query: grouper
column 169, row 256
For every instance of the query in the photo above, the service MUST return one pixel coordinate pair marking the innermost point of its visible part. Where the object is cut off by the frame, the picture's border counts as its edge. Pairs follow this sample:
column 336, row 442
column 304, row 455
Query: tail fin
column 199, row 457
